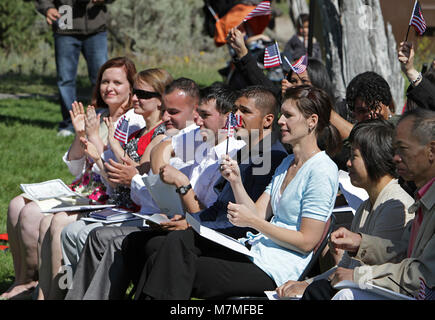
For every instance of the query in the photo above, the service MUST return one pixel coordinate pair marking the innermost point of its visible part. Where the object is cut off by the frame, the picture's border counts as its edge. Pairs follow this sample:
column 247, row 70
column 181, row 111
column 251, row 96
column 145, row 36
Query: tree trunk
column 356, row 40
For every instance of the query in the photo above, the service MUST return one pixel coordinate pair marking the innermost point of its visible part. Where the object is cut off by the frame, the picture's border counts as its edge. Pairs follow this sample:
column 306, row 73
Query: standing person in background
column 297, row 46
column 78, row 26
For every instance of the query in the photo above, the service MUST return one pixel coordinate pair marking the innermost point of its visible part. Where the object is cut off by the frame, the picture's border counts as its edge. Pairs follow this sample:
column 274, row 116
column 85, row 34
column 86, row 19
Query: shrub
column 158, row 27
column 20, row 30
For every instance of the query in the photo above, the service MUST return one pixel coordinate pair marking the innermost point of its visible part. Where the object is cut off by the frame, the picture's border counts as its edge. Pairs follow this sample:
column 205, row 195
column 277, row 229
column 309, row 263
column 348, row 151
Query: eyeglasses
column 142, row 94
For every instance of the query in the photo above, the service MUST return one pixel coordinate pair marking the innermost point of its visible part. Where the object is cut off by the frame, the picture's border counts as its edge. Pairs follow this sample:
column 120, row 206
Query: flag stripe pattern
column 272, row 56
column 121, row 131
column 262, row 9
column 233, row 121
column 417, row 20
column 424, row 292
column 300, row 65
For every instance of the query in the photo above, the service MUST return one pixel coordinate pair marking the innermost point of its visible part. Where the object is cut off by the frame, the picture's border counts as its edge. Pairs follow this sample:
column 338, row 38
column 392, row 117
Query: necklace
column 309, row 156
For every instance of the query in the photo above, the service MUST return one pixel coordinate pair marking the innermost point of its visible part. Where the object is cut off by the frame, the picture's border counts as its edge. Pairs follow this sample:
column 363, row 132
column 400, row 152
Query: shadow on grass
column 36, row 83
column 6, row 271
column 39, row 123
column 6, row 283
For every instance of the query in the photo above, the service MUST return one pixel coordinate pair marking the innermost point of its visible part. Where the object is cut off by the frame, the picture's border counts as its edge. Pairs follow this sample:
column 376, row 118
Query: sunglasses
column 142, row 94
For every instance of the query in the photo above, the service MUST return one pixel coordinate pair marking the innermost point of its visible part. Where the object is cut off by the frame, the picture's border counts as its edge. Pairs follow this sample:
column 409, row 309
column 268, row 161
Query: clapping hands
column 78, row 118
column 92, row 122
column 90, row 149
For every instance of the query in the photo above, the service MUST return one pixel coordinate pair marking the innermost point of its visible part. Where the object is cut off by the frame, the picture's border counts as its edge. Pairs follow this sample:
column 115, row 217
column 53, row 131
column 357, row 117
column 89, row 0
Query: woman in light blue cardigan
column 291, row 214
column 300, row 199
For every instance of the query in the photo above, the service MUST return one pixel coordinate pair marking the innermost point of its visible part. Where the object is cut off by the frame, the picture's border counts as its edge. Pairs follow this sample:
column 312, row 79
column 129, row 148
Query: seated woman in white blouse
column 24, row 216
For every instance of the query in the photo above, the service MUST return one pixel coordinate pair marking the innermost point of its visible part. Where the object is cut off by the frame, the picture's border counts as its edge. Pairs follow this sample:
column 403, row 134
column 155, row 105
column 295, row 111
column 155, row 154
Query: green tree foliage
column 16, row 20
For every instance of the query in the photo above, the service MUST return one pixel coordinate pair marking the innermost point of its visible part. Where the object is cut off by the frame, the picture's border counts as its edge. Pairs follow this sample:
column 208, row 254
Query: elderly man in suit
column 399, row 265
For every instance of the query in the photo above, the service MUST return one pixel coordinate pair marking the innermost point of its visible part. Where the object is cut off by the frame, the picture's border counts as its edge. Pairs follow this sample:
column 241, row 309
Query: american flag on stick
column 425, row 293
column 121, row 131
column 272, row 56
column 233, row 121
column 300, row 66
column 417, row 20
column 262, row 9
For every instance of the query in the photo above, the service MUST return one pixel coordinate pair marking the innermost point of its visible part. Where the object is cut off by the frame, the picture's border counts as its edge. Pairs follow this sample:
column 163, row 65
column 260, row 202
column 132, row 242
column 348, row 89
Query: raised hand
column 230, row 169
column 236, row 40
column 406, row 56
column 92, row 122
column 170, row 175
column 285, row 84
column 90, row 149
column 111, row 129
column 77, row 114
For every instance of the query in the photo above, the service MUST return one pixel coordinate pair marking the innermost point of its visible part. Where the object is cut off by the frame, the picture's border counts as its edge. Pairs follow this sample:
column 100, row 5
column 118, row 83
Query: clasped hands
column 341, row 239
column 345, row 240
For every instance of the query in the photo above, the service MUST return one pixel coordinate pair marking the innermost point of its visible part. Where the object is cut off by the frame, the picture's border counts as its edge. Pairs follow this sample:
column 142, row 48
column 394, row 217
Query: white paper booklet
column 155, row 218
column 386, row 293
column 164, row 195
column 217, row 237
column 79, row 208
column 272, row 295
column 58, row 202
column 48, row 189
column 353, row 195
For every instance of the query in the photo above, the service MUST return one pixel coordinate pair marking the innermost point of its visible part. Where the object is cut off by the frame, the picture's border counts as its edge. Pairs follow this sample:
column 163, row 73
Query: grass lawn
column 31, row 152
column 30, row 149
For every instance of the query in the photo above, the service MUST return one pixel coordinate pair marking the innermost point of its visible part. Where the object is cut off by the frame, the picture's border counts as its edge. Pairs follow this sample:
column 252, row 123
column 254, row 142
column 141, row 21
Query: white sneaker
column 65, row 132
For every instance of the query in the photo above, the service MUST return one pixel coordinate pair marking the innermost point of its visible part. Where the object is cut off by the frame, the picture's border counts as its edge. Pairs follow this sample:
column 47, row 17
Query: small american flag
column 233, row 121
column 300, row 65
column 121, row 131
column 262, row 9
column 417, row 20
column 272, row 57
column 425, row 293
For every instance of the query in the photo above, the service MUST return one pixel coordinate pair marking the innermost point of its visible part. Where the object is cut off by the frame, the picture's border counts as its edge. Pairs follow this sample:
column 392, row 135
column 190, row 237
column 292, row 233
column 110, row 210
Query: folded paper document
column 386, row 293
column 78, row 208
column 155, row 218
column 353, row 195
column 48, row 189
column 272, row 295
column 164, row 195
column 217, row 237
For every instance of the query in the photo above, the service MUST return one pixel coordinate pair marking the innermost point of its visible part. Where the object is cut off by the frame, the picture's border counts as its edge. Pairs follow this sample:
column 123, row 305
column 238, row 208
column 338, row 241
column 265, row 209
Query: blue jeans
column 67, row 52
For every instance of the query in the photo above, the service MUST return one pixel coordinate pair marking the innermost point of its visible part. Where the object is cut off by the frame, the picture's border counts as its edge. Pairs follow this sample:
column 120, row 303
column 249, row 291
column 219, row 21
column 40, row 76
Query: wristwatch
column 420, row 76
column 183, row 189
